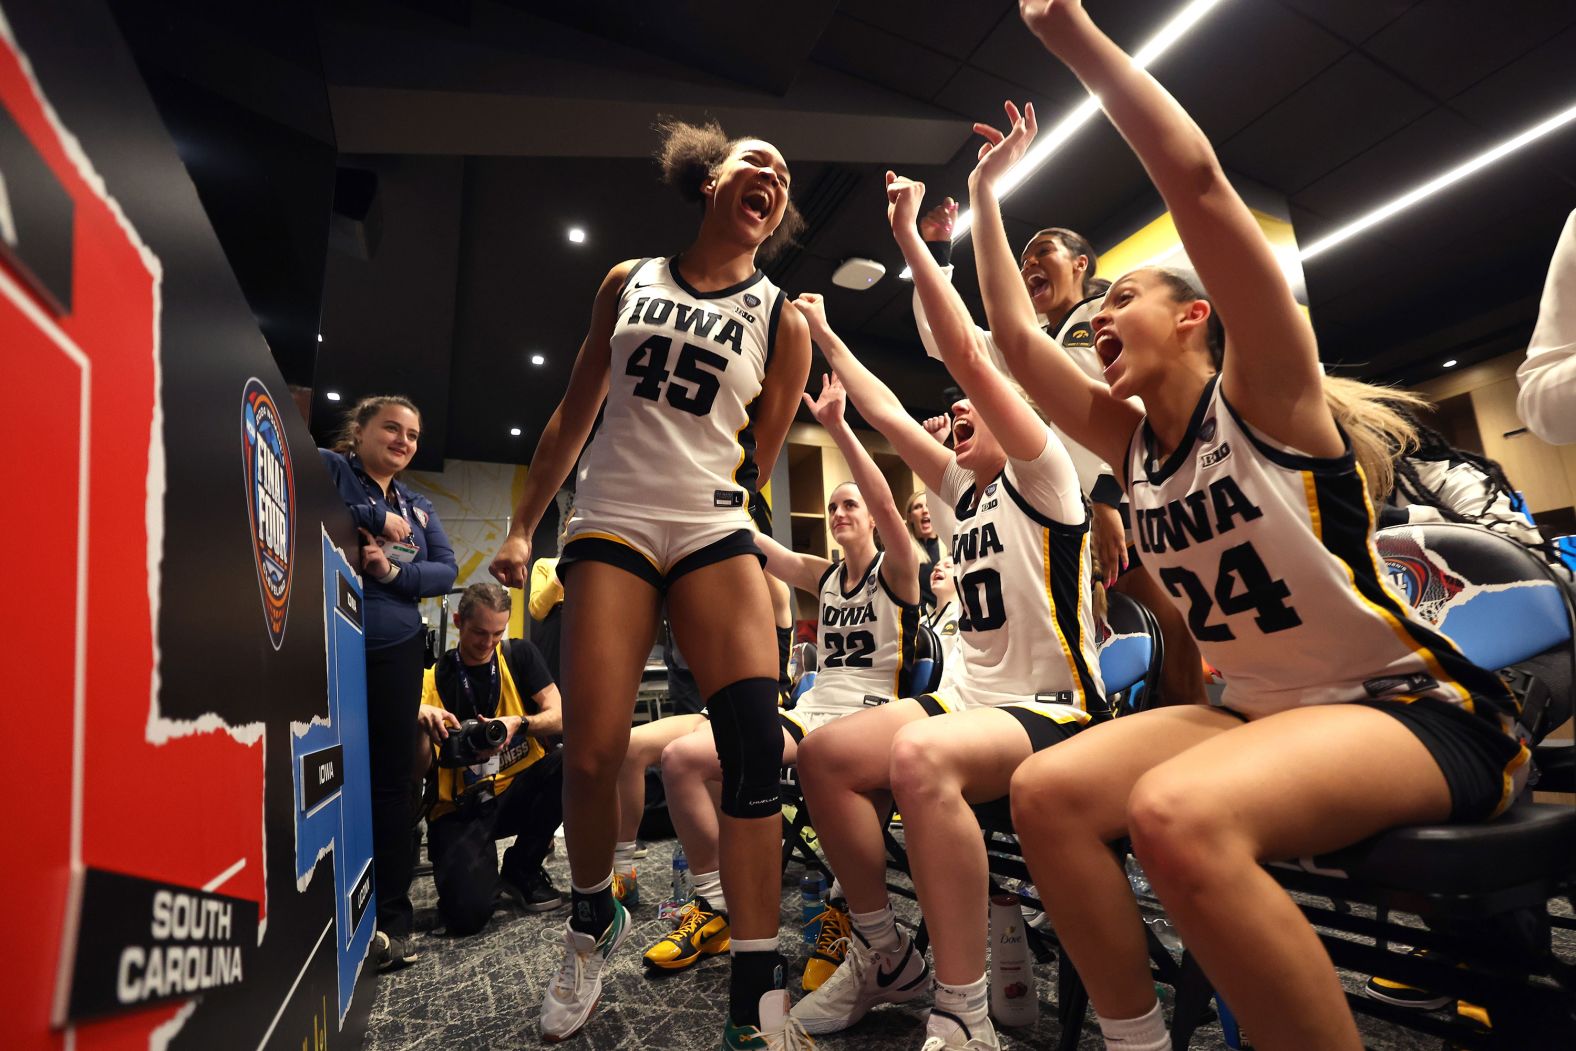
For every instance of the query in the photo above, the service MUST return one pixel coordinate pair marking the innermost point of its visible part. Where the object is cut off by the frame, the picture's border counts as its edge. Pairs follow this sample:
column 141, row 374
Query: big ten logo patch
column 270, row 491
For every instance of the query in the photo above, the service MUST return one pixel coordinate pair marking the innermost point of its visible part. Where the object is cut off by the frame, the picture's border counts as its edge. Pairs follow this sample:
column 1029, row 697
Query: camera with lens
column 460, row 748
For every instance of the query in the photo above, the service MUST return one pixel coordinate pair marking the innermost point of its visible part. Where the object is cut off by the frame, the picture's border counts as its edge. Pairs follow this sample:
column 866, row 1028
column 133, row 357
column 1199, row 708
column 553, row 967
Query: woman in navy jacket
column 377, row 442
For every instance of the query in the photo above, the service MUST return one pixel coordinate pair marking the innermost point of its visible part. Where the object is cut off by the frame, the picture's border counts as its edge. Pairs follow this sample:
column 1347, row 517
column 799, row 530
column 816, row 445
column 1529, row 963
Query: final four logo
column 270, row 503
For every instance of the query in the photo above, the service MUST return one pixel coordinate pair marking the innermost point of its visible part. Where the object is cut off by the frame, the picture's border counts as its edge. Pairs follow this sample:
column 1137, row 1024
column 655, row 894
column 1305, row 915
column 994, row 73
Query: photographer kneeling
column 486, row 706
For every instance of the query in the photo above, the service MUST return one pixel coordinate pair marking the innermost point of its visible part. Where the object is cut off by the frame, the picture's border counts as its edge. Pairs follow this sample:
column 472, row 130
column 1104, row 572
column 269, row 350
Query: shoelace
column 851, row 970
column 573, row 969
column 690, row 920
column 834, row 934
column 794, row 1037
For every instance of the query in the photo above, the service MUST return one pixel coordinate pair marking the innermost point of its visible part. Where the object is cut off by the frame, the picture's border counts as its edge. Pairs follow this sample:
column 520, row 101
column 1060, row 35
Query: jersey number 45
column 649, row 363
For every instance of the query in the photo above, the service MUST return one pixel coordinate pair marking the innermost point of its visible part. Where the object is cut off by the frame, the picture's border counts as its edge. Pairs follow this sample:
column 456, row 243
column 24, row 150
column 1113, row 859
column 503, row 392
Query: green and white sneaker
column 778, row 1031
column 574, row 993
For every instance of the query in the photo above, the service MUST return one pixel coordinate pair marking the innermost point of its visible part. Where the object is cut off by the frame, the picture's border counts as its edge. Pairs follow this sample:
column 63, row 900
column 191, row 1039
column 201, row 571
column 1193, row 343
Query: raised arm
column 1021, row 433
column 877, row 404
column 791, row 567
column 1272, row 373
column 900, row 569
column 566, row 431
column 1082, row 407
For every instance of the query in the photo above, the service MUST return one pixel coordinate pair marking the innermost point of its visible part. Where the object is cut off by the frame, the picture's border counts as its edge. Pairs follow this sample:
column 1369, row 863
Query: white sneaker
column 864, row 979
column 577, row 988
column 962, row 1038
column 778, row 1031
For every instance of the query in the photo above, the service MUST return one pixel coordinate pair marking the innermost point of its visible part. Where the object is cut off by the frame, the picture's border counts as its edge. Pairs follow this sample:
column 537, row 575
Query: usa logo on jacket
column 270, row 503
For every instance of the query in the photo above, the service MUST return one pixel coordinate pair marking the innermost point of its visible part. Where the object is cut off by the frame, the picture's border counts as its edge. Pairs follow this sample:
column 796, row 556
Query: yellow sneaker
column 701, row 932
column 626, row 888
column 830, row 947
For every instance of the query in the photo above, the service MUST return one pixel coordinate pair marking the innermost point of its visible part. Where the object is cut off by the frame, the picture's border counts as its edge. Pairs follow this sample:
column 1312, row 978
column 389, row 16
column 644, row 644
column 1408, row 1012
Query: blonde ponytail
column 1378, row 421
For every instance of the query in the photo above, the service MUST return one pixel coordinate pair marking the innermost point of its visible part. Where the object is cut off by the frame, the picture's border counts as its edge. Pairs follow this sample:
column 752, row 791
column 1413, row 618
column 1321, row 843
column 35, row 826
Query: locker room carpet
column 484, row 992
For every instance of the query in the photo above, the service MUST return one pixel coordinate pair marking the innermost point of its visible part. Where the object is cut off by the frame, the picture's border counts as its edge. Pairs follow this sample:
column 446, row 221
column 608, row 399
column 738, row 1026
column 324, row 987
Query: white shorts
column 658, row 551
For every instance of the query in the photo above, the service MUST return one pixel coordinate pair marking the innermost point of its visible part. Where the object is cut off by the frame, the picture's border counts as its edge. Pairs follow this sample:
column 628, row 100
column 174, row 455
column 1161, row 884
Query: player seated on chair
column 868, row 619
column 486, row 706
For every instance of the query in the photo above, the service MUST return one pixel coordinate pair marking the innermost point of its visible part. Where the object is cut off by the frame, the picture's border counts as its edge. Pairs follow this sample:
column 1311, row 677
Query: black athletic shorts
column 1043, row 731
column 617, row 552
column 1483, row 767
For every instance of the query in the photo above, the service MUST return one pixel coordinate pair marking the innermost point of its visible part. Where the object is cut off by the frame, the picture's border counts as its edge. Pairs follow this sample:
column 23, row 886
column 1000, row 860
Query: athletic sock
column 1147, row 1032
column 960, row 1009
column 879, row 928
column 708, row 885
column 624, row 856
column 758, row 968
column 836, row 891
column 592, row 911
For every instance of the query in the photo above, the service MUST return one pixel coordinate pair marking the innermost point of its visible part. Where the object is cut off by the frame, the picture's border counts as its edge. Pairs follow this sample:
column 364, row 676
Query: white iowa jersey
column 1026, row 631
column 1269, row 554
column 864, row 641
column 687, row 367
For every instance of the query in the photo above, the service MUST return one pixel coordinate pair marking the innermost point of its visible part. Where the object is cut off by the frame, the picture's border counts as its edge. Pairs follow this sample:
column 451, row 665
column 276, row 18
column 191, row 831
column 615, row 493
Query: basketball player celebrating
column 1024, row 675
column 701, row 365
column 1345, row 714
column 869, row 615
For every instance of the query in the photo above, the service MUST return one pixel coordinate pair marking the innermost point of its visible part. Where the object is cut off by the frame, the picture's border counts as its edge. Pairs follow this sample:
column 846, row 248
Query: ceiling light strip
column 1040, row 152
column 1434, row 185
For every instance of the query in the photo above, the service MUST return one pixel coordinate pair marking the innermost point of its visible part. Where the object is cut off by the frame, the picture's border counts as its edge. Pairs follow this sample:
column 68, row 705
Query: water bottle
column 811, row 907
column 683, row 885
column 1012, row 998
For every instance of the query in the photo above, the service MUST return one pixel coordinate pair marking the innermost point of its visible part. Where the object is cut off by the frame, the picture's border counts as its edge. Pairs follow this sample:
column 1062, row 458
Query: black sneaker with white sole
column 391, row 952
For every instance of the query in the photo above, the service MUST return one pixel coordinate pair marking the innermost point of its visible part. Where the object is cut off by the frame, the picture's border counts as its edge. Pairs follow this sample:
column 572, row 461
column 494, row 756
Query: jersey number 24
column 1261, row 595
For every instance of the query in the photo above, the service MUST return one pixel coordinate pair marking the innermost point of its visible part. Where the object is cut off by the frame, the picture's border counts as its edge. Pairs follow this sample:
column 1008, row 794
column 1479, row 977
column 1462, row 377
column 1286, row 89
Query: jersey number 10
column 649, row 363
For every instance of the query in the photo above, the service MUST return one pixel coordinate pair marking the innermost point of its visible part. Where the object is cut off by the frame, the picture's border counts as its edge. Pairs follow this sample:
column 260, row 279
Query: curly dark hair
column 1431, row 445
column 689, row 154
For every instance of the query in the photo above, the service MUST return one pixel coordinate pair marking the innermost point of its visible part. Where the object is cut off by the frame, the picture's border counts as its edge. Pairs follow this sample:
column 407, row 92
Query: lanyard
column 466, row 688
column 395, row 499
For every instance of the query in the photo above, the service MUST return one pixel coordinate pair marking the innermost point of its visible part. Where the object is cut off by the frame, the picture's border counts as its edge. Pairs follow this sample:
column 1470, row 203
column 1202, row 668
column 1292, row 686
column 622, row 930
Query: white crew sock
column 1147, row 1032
column 879, row 928
column 624, row 856
column 708, row 885
column 970, row 1004
column 752, row 945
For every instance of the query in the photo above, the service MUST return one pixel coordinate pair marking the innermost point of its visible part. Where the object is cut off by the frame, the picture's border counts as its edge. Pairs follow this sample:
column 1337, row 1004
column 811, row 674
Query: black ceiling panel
column 864, row 51
column 1446, row 46
column 1343, row 111
column 1352, row 20
column 944, row 26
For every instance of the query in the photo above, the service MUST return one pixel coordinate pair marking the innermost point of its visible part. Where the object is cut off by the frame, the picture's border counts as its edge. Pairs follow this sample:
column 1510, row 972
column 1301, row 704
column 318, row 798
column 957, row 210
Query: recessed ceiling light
column 577, row 236
column 1450, row 364
column 1439, row 182
column 320, row 337
column 514, row 431
column 332, row 395
column 537, row 359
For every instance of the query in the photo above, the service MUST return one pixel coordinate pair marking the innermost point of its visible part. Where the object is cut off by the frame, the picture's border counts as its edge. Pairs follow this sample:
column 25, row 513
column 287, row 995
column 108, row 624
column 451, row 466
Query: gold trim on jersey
column 1310, row 490
column 1050, row 597
column 592, row 534
column 1426, row 654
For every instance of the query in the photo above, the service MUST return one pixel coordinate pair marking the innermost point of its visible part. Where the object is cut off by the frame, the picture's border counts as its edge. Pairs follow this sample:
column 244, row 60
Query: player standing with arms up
column 1345, row 714
column 701, row 364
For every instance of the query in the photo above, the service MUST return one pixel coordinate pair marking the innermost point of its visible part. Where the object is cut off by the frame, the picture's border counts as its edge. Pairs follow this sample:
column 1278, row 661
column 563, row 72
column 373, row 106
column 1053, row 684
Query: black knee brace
column 749, row 738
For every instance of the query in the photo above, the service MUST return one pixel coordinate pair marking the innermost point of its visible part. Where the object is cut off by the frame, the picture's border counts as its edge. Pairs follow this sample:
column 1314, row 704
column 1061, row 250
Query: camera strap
column 468, row 689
